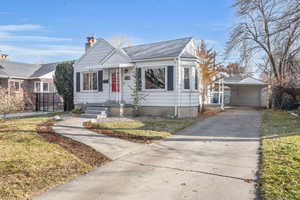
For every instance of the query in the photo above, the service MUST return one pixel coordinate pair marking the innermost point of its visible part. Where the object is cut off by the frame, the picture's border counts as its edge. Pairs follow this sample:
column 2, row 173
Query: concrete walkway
column 215, row 159
column 24, row 114
column 111, row 147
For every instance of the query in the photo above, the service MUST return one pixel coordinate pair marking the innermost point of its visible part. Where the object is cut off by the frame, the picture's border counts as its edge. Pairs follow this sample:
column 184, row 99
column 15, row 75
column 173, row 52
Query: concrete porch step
column 85, row 115
column 94, row 111
column 93, row 108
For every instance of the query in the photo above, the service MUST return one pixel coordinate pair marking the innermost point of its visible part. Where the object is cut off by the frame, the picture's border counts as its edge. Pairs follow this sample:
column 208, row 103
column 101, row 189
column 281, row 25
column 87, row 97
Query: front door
column 115, row 93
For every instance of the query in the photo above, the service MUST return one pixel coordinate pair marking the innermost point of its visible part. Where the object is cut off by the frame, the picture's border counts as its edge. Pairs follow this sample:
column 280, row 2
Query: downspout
column 177, row 86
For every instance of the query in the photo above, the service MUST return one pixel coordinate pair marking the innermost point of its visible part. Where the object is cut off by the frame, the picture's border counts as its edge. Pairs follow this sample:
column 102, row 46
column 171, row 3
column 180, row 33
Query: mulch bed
column 121, row 135
column 85, row 153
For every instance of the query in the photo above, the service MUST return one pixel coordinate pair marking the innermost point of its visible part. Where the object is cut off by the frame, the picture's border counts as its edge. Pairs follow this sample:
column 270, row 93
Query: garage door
column 245, row 96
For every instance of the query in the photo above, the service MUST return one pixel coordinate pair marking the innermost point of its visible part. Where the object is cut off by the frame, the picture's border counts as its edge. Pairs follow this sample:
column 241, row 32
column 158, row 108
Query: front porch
column 92, row 110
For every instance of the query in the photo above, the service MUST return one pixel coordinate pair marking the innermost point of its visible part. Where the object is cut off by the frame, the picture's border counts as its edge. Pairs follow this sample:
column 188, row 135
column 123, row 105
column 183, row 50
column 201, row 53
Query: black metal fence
column 48, row 102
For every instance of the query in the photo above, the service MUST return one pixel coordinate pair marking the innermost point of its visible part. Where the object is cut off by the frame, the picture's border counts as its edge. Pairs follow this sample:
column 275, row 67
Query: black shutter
column 170, row 78
column 100, row 81
column 77, row 81
column 139, row 79
column 196, row 79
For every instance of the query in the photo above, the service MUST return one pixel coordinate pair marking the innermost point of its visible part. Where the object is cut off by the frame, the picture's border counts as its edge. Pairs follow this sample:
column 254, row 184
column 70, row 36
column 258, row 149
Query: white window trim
column 190, row 78
column 19, row 82
column 82, row 81
column 46, row 91
column 35, row 88
column 144, row 80
column 41, row 87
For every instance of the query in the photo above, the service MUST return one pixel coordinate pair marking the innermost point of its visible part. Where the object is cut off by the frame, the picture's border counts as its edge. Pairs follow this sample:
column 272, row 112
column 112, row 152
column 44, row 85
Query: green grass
column 29, row 164
column 280, row 174
column 155, row 128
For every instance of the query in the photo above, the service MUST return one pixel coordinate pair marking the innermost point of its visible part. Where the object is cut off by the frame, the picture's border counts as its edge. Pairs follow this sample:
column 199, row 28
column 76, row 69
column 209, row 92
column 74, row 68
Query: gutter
column 154, row 59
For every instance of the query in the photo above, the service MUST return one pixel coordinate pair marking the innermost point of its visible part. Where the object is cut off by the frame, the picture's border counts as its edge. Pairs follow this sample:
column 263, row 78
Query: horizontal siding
column 93, row 97
column 189, row 99
column 155, row 98
column 152, row 98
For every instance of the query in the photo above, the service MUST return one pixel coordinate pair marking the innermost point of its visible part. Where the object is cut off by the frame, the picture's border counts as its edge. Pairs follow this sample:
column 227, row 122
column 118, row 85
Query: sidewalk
column 24, row 114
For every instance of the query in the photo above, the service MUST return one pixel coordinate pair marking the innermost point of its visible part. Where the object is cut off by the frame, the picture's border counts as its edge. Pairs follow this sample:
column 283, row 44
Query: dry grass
column 29, row 164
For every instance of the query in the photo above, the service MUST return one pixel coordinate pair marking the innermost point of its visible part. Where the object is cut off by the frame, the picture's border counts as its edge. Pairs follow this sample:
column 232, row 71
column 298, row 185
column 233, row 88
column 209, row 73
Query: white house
column 166, row 73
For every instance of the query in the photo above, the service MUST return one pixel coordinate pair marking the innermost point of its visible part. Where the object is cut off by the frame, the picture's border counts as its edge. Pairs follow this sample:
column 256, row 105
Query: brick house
column 28, row 80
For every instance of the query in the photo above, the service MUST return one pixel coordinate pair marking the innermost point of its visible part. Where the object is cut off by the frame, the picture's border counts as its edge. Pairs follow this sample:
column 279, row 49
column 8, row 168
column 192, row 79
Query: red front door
column 115, row 82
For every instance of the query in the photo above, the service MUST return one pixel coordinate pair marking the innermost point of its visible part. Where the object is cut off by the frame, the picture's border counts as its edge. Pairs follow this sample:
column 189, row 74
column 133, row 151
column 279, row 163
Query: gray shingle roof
column 163, row 49
column 17, row 69
column 23, row 70
column 96, row 54
column 235, row 78
column 44, row 69
column 239, row 80
column 2, row 72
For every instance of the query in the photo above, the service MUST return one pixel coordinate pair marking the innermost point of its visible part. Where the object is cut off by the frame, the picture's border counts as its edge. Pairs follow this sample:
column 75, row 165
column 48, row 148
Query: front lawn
column 280, row 172
column 29, row 164
column 142, row 131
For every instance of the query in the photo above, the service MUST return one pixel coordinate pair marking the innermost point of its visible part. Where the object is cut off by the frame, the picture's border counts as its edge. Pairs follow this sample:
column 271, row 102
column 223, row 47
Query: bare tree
column 120, row 42
column 270, row 28
column 10, row 102
column 233, row 69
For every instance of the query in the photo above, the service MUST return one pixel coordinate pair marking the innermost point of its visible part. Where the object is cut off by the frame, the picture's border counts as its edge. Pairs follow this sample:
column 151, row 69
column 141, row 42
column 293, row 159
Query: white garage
column 247, row 91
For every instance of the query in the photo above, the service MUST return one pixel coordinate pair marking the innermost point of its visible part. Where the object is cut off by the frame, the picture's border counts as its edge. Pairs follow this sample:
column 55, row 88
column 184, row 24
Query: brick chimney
column 3, row 56
column 91, row 40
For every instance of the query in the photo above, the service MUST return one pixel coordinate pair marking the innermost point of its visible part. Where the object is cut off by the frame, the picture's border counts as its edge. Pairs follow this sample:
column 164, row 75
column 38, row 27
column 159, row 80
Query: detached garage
column 247, row 91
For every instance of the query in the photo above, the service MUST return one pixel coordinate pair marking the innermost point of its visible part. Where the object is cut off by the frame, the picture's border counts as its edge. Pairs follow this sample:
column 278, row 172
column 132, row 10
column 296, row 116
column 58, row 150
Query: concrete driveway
column 217, row 159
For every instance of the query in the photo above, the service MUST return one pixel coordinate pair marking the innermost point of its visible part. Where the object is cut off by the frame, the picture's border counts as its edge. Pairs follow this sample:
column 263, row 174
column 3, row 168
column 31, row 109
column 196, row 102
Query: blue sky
column 41, row 31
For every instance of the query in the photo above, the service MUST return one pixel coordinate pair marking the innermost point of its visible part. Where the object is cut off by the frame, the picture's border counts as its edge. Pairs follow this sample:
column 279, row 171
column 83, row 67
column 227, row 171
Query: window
column 45, row 87
column 155, row 78
column 90, row 81
column 37, row 86
column 17, row 86
column 186, row 78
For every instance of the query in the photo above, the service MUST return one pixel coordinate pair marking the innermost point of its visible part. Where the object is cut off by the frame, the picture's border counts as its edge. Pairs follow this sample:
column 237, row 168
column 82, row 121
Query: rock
column 102, row 115
column 57, row 118
column 295, row 114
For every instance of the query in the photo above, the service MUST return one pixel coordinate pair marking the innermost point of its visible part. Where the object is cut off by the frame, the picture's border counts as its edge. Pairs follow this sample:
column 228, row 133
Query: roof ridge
column 159, row 42
column 17, row 62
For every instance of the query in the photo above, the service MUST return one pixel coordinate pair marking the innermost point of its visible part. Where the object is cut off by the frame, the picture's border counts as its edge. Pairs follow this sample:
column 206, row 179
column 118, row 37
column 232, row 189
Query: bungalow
column 27, row 80
column 165, row 73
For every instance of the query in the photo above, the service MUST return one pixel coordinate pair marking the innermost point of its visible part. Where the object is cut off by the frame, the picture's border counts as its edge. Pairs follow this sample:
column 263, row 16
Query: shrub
column 77, row 111
column 288, row 102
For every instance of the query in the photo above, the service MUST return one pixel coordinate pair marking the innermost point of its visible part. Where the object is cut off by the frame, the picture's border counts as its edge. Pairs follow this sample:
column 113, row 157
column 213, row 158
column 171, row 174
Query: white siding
column 189, row 97
column 128, row 86
column 117, row 58
column 159, row 98
column 92, row 97
column 152, row 98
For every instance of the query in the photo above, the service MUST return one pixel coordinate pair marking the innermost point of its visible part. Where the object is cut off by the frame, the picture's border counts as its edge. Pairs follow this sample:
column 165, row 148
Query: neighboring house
column 246, row 91
column 28, row 80
column 166, row 73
